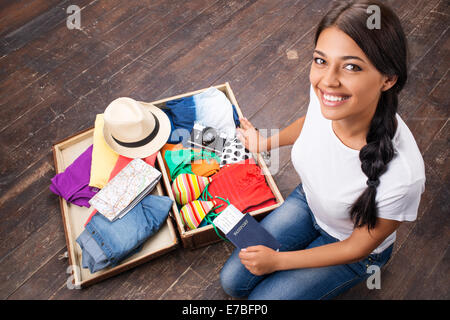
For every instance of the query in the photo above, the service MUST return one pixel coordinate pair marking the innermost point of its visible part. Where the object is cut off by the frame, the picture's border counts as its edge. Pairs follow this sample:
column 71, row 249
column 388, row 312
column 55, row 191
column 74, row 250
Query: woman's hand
column 250, row 137
column 259, row 260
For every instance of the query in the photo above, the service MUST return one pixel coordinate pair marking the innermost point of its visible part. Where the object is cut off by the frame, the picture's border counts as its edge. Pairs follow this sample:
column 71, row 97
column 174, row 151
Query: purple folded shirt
column 73, row 183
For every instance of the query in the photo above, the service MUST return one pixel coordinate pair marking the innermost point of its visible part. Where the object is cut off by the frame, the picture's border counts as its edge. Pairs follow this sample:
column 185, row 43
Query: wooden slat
column 15, row 14
column 74, row 52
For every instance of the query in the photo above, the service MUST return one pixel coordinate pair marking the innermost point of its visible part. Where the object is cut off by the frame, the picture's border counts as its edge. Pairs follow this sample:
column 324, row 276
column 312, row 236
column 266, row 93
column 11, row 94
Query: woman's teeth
column 334, row 98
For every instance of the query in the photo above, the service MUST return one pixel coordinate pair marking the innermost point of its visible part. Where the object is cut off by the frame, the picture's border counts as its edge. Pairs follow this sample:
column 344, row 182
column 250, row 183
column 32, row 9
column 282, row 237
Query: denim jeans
column 294, row 226
column 105, row 243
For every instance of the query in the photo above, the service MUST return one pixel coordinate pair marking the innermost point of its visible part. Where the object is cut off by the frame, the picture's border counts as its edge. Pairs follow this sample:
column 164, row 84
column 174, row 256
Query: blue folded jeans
column 105, row 243
column 294, row 226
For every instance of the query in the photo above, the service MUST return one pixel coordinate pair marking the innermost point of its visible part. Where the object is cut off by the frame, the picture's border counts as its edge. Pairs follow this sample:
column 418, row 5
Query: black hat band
column 142, row 142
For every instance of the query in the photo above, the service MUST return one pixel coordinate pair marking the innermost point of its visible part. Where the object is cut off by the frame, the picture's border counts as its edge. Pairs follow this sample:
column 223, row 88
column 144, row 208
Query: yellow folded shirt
column 103, row 157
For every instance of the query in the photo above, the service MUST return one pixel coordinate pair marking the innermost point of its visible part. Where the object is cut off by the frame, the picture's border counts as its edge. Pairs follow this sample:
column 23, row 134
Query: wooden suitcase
column 165, row 240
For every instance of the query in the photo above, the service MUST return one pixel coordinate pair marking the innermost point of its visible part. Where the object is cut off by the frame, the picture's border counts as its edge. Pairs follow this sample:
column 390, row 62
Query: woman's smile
column 333, row 99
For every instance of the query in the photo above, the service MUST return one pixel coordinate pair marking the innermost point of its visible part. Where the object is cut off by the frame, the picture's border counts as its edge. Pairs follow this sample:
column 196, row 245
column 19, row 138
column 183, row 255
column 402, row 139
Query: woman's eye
column 352, row 67
column 319, row 60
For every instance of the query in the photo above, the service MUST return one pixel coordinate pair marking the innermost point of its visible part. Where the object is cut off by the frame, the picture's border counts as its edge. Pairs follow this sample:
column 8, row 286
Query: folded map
column 126, row 189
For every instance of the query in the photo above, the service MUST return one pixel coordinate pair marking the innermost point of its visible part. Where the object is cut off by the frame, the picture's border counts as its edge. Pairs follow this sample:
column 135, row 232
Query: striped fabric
column 194, row 212
column 188, row 187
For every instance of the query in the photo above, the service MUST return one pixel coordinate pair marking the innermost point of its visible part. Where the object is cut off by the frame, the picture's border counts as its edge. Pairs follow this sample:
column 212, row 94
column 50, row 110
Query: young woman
column 361, row 170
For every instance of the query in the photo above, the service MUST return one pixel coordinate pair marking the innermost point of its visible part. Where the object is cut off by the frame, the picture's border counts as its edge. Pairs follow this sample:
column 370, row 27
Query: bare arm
column 358, row 246
column 262, row 260
column 255, row 142
column 287, row 136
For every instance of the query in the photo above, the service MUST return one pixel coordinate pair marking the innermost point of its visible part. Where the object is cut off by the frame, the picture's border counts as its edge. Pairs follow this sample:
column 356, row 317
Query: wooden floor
column 53, row 81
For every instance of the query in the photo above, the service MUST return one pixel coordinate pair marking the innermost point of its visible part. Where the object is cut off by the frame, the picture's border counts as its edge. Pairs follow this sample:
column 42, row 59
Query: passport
column 243, row 230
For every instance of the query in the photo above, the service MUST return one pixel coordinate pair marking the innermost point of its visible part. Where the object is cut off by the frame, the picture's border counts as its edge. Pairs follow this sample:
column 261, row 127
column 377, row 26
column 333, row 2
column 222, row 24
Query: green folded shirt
column 179, row 161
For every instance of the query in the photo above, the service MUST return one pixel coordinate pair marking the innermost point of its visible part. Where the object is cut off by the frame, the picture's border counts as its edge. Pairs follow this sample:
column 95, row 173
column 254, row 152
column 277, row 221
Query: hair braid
column 375, row 156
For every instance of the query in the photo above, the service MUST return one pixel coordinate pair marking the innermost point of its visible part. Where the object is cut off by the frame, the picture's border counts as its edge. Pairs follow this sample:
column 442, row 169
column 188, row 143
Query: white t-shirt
column 332, row 177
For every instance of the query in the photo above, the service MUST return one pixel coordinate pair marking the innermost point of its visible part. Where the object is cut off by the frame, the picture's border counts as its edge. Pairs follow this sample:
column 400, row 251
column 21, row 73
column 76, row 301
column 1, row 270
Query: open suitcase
column 165, row 240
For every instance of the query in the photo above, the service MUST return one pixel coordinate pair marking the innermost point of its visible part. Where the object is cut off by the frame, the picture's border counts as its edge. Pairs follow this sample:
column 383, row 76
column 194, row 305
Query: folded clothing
column 194, row 212
column 106, row 244
column 103, row 157
column 234, row 151
column 183, row 160
column 123, row 161
column 73, row 183
column 213, row 109
column 181, row 113
column 201, row 167
column 243, row 184
column 171, row 147
column 210, row 108
column 188, row 187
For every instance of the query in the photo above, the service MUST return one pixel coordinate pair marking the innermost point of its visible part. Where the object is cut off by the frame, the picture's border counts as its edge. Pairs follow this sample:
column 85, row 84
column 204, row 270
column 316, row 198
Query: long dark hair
column 386, row 48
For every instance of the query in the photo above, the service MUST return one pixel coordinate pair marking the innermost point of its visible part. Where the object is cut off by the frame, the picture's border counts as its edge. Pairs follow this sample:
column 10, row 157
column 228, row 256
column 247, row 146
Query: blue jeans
column 106, row 244
column 294, row 226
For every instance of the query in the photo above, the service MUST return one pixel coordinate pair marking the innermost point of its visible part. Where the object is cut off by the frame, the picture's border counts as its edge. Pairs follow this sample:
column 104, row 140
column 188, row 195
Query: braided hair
column 386, row 48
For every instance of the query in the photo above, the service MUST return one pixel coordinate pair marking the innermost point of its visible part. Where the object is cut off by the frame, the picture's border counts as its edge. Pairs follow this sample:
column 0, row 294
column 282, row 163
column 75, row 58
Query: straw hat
column 135, row 129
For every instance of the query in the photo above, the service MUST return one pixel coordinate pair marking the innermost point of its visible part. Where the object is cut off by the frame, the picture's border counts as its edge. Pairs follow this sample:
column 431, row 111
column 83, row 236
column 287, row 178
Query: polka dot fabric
column 233, row 152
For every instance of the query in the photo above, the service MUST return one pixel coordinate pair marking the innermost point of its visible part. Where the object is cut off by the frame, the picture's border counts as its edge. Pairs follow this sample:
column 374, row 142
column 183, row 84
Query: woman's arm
column 256, row 143
column 262, row 260
column 287, row 136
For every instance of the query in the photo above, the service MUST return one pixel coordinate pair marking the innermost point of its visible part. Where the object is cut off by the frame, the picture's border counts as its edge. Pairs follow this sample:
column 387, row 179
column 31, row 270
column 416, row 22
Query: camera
column 207, row 138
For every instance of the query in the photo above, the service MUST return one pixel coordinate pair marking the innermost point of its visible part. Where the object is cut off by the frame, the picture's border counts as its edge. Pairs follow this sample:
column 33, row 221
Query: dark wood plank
column 27, row 259
column 25, row 207
column 426, row 122
column 199, row 277
column 221, row 51
column 433, row 286
column 23, row 33
column 160, row 49
column 426, row 66
column 147, row 281
column 55, row 40
column 152, row 286
column 48, row 280
column 437, row 155
column 63, row 65
column 260, row 64
column 15, row 14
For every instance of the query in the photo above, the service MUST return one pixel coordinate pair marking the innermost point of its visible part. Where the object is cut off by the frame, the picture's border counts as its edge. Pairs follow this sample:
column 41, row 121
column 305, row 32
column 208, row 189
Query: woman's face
column 345, row 81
